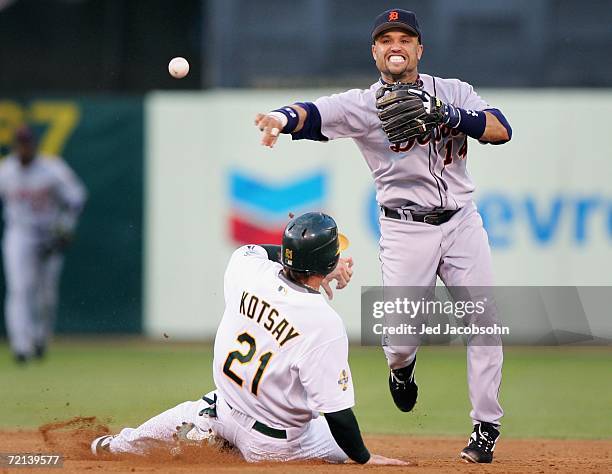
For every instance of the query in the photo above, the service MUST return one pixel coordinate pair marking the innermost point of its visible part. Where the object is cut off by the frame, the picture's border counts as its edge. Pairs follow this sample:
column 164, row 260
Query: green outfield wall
column 102, row 140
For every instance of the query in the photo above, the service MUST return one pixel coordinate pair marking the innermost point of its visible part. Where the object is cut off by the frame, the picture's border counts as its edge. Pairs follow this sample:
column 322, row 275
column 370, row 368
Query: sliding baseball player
column 284, row 386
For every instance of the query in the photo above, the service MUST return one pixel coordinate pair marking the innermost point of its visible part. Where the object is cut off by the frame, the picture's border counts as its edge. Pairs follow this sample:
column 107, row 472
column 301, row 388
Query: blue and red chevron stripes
column 260, row 208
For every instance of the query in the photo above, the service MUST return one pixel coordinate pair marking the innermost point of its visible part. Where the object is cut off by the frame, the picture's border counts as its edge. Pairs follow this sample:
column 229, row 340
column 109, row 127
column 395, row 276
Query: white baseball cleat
column 101, row 445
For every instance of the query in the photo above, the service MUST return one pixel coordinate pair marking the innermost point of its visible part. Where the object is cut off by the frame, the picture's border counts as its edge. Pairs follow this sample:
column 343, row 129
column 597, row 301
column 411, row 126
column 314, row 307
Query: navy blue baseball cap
column 396, row 18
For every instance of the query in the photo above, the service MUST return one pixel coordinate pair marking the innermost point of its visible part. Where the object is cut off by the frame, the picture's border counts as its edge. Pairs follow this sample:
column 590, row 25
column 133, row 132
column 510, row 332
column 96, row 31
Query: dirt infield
column 440, row 455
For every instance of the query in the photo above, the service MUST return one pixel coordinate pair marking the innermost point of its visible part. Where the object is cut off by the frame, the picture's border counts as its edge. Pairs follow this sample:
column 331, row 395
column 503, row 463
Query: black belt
column 433, row 217
column 267, row 430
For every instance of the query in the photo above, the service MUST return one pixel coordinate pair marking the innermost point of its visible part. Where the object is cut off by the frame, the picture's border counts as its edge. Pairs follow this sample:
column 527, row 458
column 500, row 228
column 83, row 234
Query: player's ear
column 374, row 51
column 419, row 51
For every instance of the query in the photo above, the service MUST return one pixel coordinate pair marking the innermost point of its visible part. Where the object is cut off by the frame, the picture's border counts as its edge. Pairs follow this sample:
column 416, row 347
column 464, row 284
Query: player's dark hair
column 299, row 277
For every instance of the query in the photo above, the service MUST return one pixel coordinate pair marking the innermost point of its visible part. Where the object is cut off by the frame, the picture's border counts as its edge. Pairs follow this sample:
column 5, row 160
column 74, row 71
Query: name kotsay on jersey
column 260, row 311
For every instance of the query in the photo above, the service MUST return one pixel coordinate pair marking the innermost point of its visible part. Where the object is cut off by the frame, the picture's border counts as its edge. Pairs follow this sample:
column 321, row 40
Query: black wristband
column 470, row 122
column 292, row 118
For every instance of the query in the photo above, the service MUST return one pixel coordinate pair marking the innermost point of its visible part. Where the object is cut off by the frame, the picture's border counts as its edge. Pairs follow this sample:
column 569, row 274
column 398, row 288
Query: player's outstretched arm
column 407, row 112
column 288, row 119
column 345, row 430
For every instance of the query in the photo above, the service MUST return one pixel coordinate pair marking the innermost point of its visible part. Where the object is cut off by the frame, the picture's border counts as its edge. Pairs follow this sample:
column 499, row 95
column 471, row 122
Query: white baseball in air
column 178, row 68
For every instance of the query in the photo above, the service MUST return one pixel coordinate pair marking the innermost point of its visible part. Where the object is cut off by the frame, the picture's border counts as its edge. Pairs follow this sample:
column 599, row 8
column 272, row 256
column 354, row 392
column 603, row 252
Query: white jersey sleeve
column 69, row 191
column 69, row 187
column 326, row 376
column 342, row 115
column 466, row 97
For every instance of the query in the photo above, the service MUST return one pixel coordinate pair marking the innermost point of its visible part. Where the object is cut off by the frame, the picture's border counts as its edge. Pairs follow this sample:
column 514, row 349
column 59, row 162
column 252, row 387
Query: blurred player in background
column 42, row 200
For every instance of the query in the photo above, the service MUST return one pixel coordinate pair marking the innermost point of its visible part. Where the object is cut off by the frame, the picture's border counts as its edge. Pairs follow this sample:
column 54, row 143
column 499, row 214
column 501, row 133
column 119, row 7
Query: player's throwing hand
column 270, row 127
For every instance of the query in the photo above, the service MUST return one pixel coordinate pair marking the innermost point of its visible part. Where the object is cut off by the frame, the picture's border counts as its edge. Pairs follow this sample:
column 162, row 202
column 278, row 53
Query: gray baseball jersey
column 420, row 173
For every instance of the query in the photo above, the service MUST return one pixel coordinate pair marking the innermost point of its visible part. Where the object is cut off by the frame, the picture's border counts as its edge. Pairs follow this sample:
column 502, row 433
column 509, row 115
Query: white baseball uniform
column 37, row 198
column 425, row 174
column 280, row 359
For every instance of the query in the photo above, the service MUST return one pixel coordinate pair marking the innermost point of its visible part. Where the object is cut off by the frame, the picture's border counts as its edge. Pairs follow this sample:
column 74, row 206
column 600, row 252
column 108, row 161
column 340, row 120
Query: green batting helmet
column 312, row 244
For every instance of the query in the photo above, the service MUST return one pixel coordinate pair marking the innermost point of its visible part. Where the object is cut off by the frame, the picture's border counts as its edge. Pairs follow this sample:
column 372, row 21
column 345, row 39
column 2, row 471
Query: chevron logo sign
column 260, row 209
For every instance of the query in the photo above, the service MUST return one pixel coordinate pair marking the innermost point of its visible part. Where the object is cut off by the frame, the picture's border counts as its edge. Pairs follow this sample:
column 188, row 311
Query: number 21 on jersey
column 245, row 358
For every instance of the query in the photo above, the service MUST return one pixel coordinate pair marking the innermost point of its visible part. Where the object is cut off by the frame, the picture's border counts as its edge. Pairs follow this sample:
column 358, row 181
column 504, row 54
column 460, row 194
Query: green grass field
column 546, row 392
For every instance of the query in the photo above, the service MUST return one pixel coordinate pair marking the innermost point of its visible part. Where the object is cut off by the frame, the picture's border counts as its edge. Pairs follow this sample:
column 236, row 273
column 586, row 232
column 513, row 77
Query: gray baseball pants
column 32, row 282
column 413, row 254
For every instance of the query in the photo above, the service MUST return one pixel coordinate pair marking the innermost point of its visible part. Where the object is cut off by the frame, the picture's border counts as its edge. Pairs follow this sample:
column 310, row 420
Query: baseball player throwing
column 42, row 199
column 413, row 131
column 280, row 360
